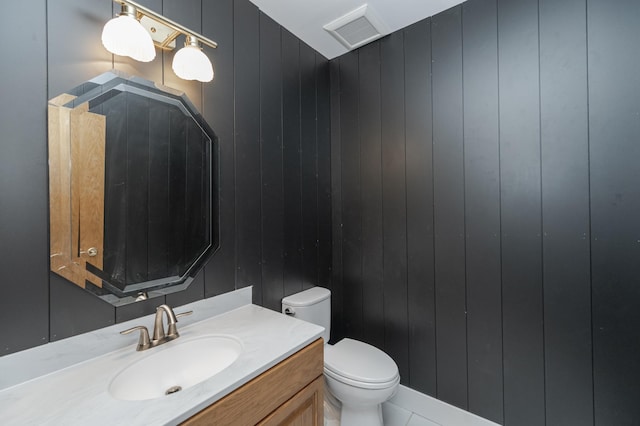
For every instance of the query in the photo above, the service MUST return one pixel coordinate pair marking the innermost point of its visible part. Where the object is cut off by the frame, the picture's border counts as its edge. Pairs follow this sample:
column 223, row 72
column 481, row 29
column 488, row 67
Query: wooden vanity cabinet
column 290, row 393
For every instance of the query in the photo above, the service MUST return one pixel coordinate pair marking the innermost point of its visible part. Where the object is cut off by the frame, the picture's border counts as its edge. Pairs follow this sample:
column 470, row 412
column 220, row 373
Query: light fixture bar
column 179, row 29
column 167, row 41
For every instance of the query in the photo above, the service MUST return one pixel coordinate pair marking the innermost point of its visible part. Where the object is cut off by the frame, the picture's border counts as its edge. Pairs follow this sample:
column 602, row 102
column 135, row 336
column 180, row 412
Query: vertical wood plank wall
column 448, row 206
column 394, row 198
column 614, row 150
column 370, row 154
column 469, row 190
column 482, row 207
column 291, row 175
column 24, row 185
column 420, row 232
column 564, row 124
column 274, row 188
column 486, row 202
column 246, row 65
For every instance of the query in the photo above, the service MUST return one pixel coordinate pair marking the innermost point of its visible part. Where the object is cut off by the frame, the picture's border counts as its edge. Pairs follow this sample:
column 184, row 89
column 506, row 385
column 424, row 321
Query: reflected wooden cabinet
column 290, row 393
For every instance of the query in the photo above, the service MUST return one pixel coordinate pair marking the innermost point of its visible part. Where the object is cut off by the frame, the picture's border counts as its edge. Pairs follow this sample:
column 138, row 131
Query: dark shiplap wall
column 269, row 105
column 486, row 203
column 484, row 185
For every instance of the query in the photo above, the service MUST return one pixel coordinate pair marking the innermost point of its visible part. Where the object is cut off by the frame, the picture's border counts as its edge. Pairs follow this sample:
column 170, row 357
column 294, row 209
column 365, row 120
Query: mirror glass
column 132, row 195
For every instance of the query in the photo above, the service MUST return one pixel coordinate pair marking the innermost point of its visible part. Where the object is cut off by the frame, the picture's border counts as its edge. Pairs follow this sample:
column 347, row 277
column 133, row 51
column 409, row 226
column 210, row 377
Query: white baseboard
column 435, row 410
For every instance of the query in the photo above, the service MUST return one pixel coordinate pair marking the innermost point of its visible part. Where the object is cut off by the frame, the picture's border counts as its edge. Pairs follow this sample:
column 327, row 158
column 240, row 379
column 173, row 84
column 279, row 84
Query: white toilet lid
column 360, row 362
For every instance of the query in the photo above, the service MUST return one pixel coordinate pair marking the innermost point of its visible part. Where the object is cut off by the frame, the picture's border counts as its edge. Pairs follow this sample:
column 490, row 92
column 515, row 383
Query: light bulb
column 125, row 36
column 190, row 63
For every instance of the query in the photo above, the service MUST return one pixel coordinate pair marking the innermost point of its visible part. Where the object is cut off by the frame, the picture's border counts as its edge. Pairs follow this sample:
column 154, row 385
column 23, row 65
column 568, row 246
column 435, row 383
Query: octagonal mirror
column 133, row 200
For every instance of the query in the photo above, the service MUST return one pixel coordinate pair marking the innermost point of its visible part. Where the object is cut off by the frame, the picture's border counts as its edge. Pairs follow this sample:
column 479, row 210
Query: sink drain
column 173, row 389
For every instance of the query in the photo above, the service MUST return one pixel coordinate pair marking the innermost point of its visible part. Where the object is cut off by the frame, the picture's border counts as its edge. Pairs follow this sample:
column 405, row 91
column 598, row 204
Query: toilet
column 359, row 376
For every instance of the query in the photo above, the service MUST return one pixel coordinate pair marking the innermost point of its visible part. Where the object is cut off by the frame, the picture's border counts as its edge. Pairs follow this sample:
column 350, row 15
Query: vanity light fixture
column 190, row 63
column 137, row 30
column 125, row 36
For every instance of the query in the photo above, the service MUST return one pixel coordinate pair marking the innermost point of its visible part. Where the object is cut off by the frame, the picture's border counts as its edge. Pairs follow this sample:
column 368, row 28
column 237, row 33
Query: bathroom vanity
column 276, row 377
column 290, row 393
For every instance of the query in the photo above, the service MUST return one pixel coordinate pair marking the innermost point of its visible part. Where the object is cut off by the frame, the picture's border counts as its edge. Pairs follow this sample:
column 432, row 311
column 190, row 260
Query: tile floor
column 396, row 416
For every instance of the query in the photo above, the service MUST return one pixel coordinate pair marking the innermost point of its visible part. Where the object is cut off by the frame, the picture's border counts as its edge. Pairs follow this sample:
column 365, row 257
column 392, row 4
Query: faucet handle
column 172, row 333
column 143, row 341
column 183, row 314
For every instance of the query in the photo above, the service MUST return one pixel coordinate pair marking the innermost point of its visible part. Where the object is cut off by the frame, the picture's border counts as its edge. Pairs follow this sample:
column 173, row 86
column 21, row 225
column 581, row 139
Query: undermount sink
column 175, row 366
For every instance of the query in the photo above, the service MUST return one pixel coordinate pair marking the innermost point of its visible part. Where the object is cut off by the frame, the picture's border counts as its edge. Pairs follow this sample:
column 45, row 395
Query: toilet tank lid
column 308, row 297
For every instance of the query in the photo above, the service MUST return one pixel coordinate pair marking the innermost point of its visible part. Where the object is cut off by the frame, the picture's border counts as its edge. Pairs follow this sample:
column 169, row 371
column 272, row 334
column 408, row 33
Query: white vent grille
column 357, row 27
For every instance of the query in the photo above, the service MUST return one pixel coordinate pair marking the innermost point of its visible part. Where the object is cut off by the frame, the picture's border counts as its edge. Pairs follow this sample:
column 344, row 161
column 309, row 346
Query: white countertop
column 78, row 394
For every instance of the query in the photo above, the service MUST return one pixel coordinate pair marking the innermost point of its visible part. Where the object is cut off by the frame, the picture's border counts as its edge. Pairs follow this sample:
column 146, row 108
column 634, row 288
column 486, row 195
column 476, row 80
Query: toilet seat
column 360, row 364
column 358, row 384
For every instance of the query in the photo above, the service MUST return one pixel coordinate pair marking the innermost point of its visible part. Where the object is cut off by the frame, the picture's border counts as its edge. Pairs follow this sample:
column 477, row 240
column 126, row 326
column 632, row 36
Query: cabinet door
column 304, row 409
column 275, row 388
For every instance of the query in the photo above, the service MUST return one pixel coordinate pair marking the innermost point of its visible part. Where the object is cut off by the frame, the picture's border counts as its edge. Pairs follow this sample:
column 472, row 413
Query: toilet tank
column 312, row 305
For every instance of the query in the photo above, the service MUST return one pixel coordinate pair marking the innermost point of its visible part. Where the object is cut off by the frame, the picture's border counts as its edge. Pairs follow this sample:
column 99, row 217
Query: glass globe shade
column 125, row 36
column 190, row 63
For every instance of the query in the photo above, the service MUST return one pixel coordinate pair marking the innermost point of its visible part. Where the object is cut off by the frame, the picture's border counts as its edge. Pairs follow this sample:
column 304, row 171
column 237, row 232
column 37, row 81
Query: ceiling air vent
column 357, row 27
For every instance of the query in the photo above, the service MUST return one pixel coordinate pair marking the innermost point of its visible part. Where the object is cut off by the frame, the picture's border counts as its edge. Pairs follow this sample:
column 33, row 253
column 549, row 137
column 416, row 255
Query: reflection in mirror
column 132, row 197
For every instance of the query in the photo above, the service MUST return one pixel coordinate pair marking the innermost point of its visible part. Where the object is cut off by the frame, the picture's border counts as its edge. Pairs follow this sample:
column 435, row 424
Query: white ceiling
column 305, row 18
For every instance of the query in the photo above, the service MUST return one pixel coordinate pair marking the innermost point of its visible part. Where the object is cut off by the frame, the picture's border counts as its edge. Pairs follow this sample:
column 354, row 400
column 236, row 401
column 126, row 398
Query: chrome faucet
column 159, row 336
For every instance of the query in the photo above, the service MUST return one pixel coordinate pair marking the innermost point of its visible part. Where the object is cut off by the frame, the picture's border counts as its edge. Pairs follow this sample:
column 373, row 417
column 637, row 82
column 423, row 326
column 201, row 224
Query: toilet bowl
column 358, row 375
column 361, row 377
